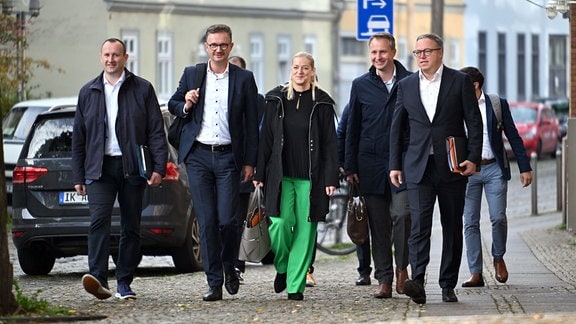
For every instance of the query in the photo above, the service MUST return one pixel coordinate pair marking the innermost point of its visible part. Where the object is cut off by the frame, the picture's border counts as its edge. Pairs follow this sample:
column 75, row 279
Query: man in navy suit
column 372, row 100
column 433, row 104
column 493, row 177
column 218, row 144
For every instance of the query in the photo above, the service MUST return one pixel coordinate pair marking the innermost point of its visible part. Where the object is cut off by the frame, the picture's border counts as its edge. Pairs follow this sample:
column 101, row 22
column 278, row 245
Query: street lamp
column 33, row 11
column 558, row 6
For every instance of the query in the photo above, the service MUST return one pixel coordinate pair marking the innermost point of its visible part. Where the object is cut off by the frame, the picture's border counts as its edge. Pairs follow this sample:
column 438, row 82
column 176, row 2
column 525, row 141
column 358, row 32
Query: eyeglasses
column 214, row 46
column 426, row 51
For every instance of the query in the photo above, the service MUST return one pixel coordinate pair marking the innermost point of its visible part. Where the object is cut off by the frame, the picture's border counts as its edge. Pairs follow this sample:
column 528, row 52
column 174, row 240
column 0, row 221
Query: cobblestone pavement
column 541, row 260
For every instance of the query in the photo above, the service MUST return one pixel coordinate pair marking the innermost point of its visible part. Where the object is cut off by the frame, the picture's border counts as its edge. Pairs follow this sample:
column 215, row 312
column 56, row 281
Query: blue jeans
column 496, row 189
column 102, row 193
column 214, row 187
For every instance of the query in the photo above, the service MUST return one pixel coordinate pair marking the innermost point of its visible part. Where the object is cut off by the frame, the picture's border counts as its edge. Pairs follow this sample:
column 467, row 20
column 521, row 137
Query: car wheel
column 188, row 257
column 36, row 260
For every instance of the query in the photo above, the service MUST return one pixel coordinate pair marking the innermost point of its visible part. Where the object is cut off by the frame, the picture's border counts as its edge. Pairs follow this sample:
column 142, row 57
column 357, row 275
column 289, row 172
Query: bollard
column 534, row 162
column 563, row 177
column 559, row 179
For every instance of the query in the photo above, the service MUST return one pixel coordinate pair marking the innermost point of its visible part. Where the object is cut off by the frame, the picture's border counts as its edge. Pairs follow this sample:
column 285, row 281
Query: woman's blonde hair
column 313, row 81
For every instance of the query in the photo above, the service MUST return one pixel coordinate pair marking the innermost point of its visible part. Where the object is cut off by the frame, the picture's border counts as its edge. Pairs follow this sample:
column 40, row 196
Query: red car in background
column 538, row 126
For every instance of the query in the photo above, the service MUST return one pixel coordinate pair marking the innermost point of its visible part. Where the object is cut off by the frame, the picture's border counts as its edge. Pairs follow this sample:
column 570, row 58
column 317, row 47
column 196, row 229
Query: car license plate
column 72, row 198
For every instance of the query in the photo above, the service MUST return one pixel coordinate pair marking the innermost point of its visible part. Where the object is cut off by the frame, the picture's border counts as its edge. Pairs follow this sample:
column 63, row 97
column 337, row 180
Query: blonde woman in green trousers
column 298, row 169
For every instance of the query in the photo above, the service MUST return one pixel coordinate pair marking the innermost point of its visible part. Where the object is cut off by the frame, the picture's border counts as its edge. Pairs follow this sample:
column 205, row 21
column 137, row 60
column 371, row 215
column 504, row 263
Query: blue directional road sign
column 374, row 16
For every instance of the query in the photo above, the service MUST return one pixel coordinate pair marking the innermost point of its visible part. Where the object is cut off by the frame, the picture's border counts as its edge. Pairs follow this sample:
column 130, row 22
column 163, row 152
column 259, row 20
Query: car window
column 524, row 114
column 52, row 138
column 19, row 120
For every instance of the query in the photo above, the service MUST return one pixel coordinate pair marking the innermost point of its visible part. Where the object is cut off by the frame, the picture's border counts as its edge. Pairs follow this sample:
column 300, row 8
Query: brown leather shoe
column 401, row 276
column 384, row 291
column 500, row 269
column 476, row 280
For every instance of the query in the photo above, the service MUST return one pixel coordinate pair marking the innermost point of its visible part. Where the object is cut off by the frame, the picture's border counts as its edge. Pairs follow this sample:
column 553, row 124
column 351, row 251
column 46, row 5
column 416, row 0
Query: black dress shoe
column 279, row 282
column 232, row 283
column 213, row 294
column 363, row 280
column 448, row 295
column 415, row 291
column 296, row 296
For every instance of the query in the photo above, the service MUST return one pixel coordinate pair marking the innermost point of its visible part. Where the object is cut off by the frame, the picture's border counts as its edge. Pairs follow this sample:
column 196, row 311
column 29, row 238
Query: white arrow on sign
column 380, row 3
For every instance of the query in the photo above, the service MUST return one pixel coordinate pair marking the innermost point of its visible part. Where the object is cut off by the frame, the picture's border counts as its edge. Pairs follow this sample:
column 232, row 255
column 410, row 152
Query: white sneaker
column 93, row 286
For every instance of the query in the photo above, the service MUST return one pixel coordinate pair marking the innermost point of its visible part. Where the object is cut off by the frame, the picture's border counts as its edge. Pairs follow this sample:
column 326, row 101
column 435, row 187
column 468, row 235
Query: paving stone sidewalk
column 541, row 259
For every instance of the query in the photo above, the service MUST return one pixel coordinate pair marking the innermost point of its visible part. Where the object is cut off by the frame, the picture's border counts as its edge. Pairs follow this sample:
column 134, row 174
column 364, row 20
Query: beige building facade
column 164, row 37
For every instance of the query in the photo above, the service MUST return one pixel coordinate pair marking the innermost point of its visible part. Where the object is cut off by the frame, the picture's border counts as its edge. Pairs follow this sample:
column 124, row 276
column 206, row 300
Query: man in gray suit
column 433, row 104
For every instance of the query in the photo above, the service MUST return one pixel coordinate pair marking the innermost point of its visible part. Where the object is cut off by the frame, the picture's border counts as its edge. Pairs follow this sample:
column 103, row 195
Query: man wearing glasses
column 433, row 104
column 218, row 145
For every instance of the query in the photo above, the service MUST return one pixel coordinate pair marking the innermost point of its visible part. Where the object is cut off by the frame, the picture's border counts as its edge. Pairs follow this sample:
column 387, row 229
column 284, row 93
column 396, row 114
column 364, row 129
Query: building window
column 502, row 64
column 257, row 59
column 310, row 45
column 535, row 66
column 558, row 69
column 283, row 53
column 521, row 66
column 402, row 53
column 131, row 39
column 165, row 59
column 482, row 56
column 454, row 52
column 352, row 47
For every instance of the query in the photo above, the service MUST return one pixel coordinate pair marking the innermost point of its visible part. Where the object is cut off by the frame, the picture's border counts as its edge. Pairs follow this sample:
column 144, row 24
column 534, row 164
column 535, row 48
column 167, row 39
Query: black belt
column 488, row 161
column 214, row 148
column 114, row 157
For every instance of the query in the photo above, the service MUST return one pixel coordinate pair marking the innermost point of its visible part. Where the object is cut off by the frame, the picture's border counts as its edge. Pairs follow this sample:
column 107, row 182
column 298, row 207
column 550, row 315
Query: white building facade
column 524, row 55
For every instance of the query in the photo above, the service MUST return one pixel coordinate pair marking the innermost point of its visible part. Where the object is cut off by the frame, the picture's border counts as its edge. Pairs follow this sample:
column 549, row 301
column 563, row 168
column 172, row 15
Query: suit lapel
column 445, row 85
column 232, row 75
column 414, row 80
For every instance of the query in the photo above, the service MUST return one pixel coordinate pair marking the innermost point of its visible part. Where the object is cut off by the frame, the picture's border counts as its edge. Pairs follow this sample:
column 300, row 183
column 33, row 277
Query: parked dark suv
column 50, row 221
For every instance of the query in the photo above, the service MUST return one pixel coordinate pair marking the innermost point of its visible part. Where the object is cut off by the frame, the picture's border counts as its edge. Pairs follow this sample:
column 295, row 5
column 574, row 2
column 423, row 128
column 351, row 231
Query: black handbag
column 175, row 129
column 357, row 222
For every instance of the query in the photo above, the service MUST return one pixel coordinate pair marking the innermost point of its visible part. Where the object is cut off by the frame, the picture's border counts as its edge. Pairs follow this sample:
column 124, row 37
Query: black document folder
column 145, row 161
column 457, row 150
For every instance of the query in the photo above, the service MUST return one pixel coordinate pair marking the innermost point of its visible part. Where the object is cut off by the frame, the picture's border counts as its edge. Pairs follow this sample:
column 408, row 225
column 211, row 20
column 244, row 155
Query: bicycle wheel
column 330, row 238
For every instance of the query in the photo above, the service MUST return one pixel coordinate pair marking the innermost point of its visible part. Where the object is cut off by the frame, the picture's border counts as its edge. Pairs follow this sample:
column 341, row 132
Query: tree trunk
column 8, row 303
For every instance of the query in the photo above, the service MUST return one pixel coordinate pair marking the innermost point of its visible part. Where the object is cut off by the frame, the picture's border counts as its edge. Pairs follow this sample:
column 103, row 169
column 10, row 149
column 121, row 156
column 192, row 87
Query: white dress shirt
column 112, row 147
column 215, row 129
column 487, row 153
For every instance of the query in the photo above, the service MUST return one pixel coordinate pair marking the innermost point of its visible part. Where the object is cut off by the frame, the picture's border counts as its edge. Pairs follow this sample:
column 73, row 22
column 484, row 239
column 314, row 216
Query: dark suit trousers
column 103, row 193
column 214, row 188
column 378, row 207
column 422, row 197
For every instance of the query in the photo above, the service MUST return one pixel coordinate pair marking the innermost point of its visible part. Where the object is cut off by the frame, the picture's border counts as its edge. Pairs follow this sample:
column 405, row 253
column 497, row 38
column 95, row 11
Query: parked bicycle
column 332, row 237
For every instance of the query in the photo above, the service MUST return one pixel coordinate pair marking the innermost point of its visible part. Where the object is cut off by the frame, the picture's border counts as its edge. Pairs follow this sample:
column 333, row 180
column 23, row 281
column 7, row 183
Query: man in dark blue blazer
column 493, row 177
column 433, row 104
column 372, row 101
column 218, row 144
